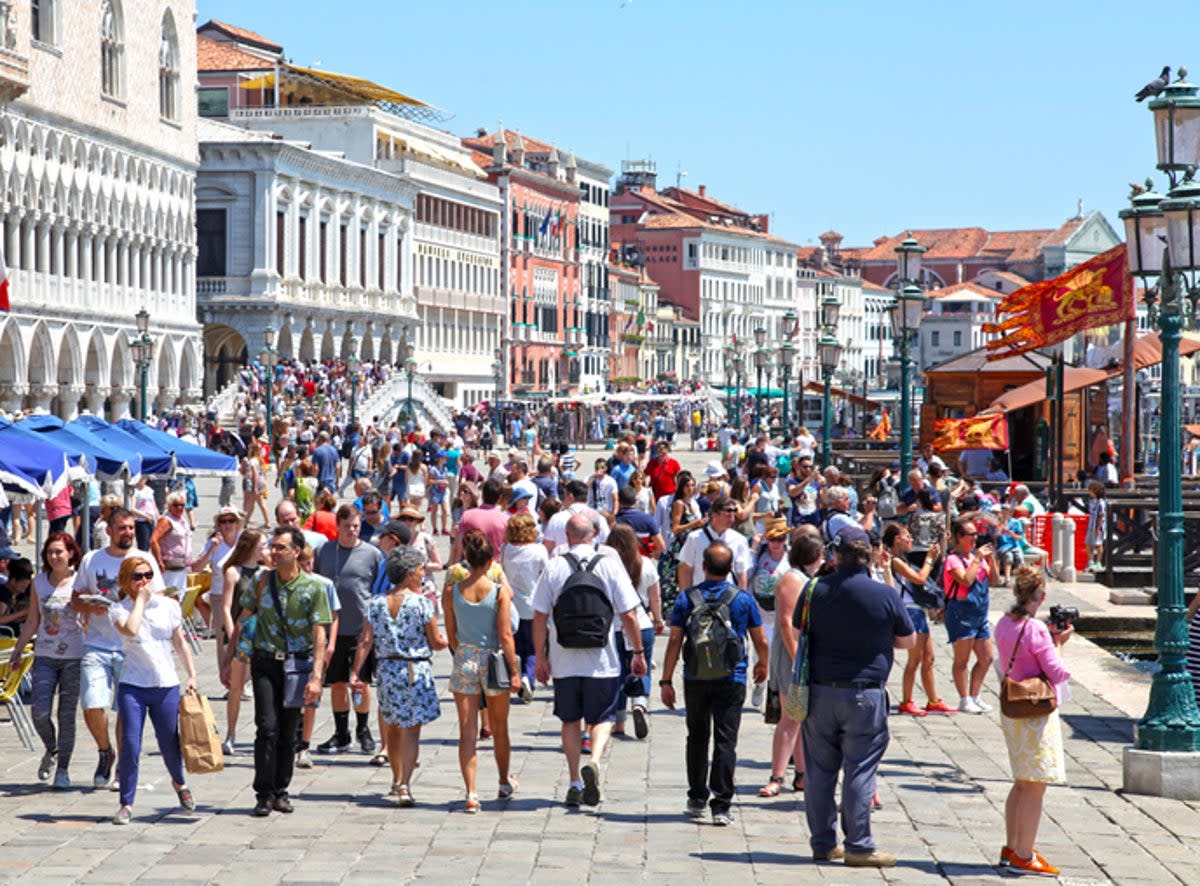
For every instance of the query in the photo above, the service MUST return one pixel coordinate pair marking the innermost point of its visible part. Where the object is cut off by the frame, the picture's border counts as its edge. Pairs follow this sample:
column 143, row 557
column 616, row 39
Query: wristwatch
column 665, row 683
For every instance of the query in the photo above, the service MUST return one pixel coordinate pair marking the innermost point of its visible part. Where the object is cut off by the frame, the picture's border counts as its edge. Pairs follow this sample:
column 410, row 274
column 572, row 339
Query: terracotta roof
column 484, row 143
column 807, row 253
column 959, row 290
column 830, row 235
column 1015, row 279
column 868, row 286
column 972, row 242
column 241, row 34
column 216, row 55
column 695, row 198
column 1015, row 245
column 1069, row 227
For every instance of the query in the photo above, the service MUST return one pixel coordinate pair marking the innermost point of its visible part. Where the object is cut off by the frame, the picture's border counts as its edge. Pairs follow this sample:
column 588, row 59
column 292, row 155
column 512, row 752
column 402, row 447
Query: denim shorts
column 966, row 621
column 920, row 621
column 100, row 671
column 591, row 699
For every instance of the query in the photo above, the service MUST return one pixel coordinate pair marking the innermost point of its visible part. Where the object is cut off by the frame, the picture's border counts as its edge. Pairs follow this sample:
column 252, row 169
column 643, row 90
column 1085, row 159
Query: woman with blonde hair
column 1027, row 648
column 524, row 560
column 241, row 571
column 151, row 625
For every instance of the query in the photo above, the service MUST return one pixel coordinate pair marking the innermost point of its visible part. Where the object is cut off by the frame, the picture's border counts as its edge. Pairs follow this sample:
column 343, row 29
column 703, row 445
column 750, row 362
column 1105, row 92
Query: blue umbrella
column 104, row 462
column 123, row 445
column 30, row 463
column 189, row 457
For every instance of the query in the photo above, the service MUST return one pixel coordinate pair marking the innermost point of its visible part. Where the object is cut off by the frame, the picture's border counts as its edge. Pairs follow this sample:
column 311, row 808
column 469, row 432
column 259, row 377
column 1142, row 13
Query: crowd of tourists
column 560, row 574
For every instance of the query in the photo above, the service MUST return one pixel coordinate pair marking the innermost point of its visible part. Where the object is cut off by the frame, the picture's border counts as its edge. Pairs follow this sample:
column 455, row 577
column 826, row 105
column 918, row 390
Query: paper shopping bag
column 198, row 736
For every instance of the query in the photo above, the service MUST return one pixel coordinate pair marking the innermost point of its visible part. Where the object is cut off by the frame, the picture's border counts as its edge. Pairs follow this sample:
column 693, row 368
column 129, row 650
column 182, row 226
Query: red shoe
column 1034, row 864
column 940, row 707
column 910, row 707
column 1006, row 855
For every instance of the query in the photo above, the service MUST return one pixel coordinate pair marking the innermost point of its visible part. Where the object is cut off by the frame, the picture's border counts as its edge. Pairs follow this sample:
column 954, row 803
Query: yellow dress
column 1035, row 748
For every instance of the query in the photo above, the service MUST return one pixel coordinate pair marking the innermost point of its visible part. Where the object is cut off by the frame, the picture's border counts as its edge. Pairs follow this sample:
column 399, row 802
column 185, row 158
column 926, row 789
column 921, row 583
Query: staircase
column 390, row 399
column 224, row 405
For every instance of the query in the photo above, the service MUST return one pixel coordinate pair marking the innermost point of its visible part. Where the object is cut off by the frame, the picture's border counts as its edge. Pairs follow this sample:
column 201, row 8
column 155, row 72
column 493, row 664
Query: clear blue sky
column 865, row 117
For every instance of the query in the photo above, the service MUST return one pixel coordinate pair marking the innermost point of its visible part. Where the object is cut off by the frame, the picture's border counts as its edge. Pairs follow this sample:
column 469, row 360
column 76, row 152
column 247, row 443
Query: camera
column 1061, row 617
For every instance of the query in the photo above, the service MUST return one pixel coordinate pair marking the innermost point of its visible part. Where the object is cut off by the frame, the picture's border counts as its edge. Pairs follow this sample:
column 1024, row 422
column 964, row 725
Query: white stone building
column 97, row 166
column 594, row 288
column 953, row 322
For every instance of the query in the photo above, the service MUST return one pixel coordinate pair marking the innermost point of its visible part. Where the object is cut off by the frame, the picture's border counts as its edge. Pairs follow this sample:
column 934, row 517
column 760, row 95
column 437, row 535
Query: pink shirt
column 489, row 520
column 1036, row 654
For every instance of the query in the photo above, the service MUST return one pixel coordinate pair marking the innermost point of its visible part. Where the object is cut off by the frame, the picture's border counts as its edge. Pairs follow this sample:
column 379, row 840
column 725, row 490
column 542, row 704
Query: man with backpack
column 709, row 624
column 719, row 529
column 576, row 602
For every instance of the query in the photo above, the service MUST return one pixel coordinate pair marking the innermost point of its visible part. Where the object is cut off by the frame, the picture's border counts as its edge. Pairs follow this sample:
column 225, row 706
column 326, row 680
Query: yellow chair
column 193, row 624
column 10, row 698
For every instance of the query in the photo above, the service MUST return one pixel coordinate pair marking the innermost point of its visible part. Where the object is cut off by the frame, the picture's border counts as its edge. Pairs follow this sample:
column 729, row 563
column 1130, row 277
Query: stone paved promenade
column 943, row 785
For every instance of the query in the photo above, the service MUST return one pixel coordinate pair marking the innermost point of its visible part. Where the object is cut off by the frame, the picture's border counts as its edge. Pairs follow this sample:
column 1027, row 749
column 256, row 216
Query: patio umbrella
column 29, row 463
column 122, row 444
column 102, row 459
column 189, row 457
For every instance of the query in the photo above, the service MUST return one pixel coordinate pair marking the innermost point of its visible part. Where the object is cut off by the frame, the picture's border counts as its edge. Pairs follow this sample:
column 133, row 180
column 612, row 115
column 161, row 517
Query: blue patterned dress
column 404, row 701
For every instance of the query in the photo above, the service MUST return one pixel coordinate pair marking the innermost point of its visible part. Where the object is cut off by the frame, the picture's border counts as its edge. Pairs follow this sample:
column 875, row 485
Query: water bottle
column 356, row 699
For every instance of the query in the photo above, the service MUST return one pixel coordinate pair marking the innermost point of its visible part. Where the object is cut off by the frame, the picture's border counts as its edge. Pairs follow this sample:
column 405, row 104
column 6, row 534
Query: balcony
column 438, row 297
column 14, row 74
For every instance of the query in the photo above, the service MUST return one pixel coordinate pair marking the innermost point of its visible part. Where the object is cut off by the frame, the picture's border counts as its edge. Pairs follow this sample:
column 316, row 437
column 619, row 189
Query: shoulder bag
column 795, row 699
column 1031, row 697
column 297, row 666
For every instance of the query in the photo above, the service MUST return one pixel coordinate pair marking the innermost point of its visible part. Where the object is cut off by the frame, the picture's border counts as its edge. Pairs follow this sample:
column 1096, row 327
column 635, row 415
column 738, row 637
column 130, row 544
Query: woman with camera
column 968, row 571
column 1029, row 648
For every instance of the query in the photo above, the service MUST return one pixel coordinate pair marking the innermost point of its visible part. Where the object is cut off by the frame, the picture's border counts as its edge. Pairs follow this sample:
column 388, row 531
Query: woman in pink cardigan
column 1035, row 744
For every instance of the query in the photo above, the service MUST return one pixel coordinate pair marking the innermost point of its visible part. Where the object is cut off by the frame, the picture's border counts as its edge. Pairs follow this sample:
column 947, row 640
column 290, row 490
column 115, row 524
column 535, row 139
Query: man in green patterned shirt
column 282, row 647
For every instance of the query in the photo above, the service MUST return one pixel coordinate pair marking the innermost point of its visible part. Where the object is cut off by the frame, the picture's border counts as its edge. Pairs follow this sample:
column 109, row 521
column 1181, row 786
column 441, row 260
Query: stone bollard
column 1066, row 570
column 1056, row 521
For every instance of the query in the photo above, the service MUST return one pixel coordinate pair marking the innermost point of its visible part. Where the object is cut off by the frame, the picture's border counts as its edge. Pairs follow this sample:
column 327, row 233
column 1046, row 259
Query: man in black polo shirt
column 649, row 533
column 854, row 624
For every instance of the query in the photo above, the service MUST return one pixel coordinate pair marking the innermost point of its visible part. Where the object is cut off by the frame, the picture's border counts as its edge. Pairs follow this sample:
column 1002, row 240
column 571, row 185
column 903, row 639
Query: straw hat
column 410, row 512
column 776, row 527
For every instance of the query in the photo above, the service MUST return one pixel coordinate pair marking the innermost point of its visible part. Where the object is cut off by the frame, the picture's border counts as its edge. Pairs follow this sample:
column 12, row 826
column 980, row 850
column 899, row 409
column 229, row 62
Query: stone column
column 68, row 401
column 119, row 401
column 95, row 395
column 12, row 397
column 166, row 399
column 40, row 396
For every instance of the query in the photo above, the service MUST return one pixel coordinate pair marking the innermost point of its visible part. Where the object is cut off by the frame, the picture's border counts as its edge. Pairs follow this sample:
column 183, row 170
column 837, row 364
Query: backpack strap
column 591, row 567
column 573, row 560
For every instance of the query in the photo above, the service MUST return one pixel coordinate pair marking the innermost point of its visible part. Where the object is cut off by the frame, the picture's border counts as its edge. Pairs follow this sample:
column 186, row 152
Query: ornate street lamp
column 787, row 357
column 739, row 371
column 729, row 352
column 1172, row 719
column 142, row 347
column 352, row 369
column 269, row 357
column 498, row 374
column 831, row 354
column 410, row 366
column 906, row 319
column 761, row 359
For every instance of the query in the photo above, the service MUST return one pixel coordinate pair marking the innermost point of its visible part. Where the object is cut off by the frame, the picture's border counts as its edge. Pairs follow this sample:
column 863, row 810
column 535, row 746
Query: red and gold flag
column 883, row 428
column 1096, row 293
column 977, row 432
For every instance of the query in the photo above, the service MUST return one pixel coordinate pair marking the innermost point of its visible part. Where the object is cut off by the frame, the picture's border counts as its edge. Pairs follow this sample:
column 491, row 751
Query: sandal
column 472, row 804
column 772, row 788
column 379, row 760
column 403, row 797
column 508, row 788
column 798, row 783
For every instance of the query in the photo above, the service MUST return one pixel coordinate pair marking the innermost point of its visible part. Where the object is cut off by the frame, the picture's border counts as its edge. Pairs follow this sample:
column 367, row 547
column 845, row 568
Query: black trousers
column 714, row 710
column 275, row 736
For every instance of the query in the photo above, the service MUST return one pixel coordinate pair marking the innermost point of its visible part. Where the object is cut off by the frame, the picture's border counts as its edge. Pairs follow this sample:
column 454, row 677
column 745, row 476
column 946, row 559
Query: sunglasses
column 224, row 520
column 177, row 504
column 281, row 547
column 142, row 576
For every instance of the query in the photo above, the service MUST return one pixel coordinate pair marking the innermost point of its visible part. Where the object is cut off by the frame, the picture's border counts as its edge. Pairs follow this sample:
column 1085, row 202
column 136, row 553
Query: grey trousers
column 49, row 675
column 847, row 730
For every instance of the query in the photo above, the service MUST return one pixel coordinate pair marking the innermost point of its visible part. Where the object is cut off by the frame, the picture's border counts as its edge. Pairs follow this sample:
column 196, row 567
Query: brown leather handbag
column 1031, row 697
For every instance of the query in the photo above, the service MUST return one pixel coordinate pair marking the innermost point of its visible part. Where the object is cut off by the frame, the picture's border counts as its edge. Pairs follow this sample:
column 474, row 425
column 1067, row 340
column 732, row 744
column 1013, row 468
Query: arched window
column 168, row 70
column 43, row 22
column 112, row 49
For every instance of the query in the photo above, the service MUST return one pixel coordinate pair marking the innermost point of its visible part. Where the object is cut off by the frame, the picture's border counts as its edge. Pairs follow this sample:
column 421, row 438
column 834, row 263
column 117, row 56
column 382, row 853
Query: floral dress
column 407, row 695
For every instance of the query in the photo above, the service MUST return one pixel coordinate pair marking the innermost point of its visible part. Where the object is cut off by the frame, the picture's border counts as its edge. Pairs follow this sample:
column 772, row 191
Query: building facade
column 97, row 164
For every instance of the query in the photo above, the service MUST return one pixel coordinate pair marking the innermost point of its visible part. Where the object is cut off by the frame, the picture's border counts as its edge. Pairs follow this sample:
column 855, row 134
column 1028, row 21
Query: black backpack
column 711, row 648
column 583, row 613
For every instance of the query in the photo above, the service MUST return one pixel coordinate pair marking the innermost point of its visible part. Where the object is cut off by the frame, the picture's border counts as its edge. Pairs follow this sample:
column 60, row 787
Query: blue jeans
column 845, row 729
column 526, row 654
column 631, row 686
column 162, row 704
column 51, row 675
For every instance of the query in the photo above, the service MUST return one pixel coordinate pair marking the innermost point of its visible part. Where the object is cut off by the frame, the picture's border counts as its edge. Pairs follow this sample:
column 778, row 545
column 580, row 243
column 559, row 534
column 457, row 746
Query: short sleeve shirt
column 692, row 553
column 304, row 603
column 743, row 615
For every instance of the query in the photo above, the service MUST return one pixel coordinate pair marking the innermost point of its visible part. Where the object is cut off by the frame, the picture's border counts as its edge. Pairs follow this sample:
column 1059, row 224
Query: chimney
column 703, row 190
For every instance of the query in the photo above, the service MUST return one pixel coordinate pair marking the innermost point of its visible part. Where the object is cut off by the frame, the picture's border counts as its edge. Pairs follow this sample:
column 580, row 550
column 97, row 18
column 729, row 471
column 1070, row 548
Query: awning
column 189, row 458
column 101, row 459
column 1074, row 378
column 29, row 463
column 837, row 393
column 126, row 447
column 316, row 85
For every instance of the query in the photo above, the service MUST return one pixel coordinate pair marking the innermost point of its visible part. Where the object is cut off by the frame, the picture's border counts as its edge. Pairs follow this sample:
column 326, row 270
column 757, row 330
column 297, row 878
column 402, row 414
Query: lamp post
column 739, row 371
column 831, row 354
column 410, row 366
column 786, row 356
column 1171, row 723
column 760, row 357
column 498, row 374
column 906, row 318
column 269, row 357
column 730, row 352
column 142, row 347
column 352, row 368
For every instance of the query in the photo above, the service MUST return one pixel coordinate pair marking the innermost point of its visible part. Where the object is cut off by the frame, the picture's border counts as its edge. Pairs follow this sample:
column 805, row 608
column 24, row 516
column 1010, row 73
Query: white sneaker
column 303, row 759
column 759, row 695
column 983, row 706
column 526, row 690
column 227, row 748
column 966, row 705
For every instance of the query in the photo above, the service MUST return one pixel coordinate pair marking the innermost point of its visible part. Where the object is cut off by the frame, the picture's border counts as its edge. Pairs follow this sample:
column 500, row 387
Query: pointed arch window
column 112, row 49
column 168, row 70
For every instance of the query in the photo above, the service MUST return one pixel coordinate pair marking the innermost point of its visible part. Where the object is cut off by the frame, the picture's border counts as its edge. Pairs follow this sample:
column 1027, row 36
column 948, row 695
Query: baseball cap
column 519, row 494
column 848, row 535
column 402, row 533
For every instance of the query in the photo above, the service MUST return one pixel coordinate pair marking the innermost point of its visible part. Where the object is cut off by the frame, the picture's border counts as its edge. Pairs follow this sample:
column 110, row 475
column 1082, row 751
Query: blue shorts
column 917, row 616
column 591, row 699
column 100, row 672
column 966, row 621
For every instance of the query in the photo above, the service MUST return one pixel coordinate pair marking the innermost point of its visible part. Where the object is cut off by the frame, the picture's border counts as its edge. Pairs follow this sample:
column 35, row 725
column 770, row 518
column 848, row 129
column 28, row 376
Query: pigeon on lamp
column 1135, row 189
column 1155, row 86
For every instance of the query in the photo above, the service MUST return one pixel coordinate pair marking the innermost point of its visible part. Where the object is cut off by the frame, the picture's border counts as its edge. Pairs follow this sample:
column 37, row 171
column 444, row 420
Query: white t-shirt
column 649, row 580
column 556, row 528
column 148, row 659
column 98, row 575
column 692, row 553
column 601, row 662
column 602, row 493
column 523, row 566
column 220, row 553
column 58, row 634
